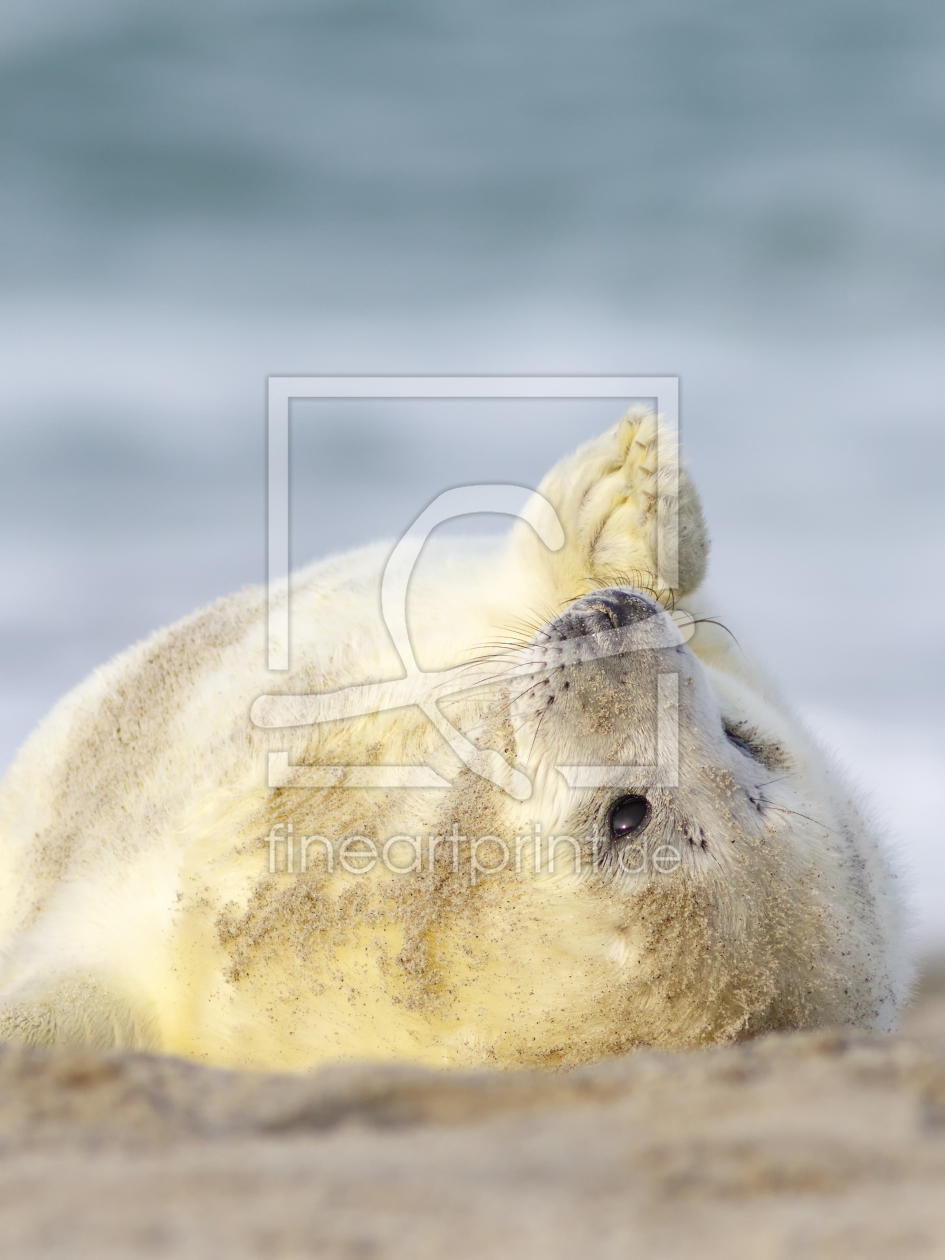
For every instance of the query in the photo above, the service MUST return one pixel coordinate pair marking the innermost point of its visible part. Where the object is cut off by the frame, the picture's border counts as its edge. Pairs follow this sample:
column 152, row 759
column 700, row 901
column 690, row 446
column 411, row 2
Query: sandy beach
column 827, row 1144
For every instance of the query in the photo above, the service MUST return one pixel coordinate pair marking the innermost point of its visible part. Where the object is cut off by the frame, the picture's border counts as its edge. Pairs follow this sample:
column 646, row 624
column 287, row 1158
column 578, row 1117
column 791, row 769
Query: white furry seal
column 158, row 894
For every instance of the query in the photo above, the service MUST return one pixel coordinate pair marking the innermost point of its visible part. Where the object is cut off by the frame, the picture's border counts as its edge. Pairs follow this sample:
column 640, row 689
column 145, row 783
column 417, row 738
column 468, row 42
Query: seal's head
column 681, row 871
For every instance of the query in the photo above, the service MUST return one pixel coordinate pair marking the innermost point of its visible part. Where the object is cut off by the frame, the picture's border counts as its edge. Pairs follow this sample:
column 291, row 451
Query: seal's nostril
column 608, row 609
column 626, row 607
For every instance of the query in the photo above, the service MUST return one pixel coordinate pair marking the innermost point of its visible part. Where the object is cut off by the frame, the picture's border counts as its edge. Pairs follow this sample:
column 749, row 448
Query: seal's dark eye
column 628, row 815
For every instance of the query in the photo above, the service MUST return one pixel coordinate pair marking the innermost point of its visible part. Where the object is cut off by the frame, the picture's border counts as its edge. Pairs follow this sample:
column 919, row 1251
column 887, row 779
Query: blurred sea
column 195, row 196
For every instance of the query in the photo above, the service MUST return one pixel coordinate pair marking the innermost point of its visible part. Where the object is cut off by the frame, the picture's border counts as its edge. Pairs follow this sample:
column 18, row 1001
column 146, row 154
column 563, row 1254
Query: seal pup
column 568, row 890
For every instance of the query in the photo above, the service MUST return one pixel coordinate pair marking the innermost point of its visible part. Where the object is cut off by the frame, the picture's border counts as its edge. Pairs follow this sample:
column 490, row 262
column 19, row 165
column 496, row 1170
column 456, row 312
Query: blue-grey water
column 195, row 196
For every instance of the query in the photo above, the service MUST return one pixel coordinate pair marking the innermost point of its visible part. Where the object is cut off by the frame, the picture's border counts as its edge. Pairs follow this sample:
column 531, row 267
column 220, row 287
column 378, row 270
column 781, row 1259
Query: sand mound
column 808, row 1145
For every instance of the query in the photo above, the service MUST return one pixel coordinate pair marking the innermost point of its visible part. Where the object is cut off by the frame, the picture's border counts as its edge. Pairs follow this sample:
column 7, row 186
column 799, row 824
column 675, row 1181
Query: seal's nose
column 608, row 609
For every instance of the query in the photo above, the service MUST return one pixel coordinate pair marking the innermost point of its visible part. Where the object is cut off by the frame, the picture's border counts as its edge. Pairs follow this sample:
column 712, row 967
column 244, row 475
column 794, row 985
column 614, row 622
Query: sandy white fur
column 138, row 909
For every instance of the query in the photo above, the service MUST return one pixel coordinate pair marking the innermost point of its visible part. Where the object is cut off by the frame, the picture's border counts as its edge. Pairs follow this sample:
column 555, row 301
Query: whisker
column 782, row 809
column 537, row 729
column 526, row 692
column 711, row 621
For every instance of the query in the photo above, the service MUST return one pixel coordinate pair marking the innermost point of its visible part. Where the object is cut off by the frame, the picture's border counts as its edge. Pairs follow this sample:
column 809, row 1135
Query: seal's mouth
column 597, row 685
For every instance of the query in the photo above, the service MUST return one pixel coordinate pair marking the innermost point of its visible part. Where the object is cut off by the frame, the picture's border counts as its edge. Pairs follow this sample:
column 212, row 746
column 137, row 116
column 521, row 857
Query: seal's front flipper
column 631, row 517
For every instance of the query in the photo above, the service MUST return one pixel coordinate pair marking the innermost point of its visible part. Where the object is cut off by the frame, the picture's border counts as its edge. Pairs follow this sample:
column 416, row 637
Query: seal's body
column 665, row 859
